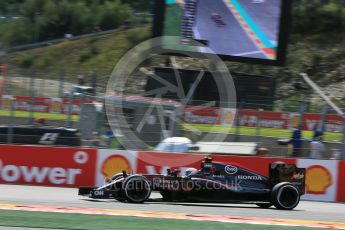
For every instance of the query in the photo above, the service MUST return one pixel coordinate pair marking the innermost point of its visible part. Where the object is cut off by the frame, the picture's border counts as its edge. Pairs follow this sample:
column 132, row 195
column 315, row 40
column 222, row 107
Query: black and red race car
column 213, row 182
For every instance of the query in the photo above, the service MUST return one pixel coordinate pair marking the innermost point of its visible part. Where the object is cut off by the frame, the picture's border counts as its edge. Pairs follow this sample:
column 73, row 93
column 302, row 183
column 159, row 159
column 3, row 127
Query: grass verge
column 47, row 116
column 265, row 132
column 81, row 221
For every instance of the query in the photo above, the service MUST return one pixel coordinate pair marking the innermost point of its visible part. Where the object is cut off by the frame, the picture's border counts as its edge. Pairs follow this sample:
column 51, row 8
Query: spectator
column 296, row 141
column 317, row 133
column 316, row 148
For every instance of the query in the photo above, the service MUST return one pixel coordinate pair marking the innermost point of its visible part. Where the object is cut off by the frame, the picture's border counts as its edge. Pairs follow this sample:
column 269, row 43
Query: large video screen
column 240, row 30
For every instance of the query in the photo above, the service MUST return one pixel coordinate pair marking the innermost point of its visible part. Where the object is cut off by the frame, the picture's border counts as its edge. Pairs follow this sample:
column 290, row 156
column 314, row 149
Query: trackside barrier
column 41, row 104
column 341, row 182
column 74, row 167
column 192, row 114
column 48, row 166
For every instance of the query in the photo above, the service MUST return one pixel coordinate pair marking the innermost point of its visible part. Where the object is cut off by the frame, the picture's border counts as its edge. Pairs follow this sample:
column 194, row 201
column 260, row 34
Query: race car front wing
column 97, row 193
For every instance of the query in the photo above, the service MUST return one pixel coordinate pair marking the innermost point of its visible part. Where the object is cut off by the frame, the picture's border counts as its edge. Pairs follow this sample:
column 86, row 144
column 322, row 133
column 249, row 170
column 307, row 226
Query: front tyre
column 136, row 189
column 285, row 196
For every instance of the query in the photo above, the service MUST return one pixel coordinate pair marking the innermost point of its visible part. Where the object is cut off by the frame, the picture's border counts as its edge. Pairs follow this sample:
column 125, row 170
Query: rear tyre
column 136, row 189
column 285, row 196
column 264, row 205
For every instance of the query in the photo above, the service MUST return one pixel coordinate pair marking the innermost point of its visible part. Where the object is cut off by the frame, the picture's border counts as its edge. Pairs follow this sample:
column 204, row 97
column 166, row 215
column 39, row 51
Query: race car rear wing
column 280, row 172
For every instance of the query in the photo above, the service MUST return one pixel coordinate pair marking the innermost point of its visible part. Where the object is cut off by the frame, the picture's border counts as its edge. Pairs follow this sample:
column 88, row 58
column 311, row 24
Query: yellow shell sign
column 115, row 164
column 6, row 103
column 56, row 106
column 318, row 179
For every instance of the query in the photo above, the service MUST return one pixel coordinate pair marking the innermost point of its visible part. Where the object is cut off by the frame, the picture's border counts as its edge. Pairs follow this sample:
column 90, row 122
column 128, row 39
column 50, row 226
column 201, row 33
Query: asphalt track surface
column 262, row 14
column 232, row 39
column 68, row 198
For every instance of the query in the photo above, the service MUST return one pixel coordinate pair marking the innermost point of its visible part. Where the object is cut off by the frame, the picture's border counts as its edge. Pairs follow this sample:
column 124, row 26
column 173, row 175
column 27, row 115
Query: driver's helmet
column 190, row 171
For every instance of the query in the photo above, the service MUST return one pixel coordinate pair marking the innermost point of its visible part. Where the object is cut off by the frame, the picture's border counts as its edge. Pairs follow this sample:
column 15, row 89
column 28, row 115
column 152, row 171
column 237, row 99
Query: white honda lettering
column 245, row 177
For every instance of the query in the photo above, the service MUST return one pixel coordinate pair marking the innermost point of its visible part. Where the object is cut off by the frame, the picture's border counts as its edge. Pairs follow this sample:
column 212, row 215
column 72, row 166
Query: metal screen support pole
column 238, row 122
column 33, row 101
column 69, row 110
column 61, row 84
column 323, row 119
column 10, row 128
column 258, row 128
column 343, row 142
column 330, row 103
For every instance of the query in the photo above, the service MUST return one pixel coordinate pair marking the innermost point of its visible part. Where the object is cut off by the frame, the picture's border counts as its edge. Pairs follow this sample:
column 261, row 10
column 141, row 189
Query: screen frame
column 284, row 25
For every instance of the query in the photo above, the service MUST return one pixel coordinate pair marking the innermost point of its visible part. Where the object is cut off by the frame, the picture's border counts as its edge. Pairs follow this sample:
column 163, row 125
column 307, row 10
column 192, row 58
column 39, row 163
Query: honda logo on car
column 246, row 177
column 55, row 175
column 229, row 169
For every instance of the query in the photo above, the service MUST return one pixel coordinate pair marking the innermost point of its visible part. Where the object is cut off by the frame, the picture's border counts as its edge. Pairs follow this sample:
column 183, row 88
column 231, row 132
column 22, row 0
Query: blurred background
column 56, row 58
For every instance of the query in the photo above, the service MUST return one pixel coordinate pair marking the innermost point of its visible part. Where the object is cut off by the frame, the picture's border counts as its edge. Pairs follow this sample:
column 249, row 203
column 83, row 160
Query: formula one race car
column 218, row 20
column 214, row 182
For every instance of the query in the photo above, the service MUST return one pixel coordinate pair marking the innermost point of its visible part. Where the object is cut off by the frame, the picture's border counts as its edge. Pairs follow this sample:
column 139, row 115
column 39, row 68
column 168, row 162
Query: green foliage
column 26, row 61
column 17, row 32
column 315, row 17
column 139, row 5
column 39, row 20
column 79, row 57
column 113, row 14
column 136, row 36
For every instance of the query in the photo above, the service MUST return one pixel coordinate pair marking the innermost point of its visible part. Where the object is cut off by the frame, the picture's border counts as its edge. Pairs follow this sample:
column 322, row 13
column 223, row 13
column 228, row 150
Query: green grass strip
column 86, row 222
column 47, row 116
column 264, row 132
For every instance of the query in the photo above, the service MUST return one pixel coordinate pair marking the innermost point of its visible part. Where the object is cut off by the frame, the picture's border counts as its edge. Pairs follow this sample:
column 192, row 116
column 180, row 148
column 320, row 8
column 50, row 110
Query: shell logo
column 55, row 107
column 6, row 103
column 318, row 179
column 294, row 120
column 115, row 164
column 228, row 118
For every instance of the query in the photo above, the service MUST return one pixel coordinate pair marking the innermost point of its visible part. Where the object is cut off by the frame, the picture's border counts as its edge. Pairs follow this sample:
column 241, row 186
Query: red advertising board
column 41, row 104
column 24, row 103
column 76, row 109
column 333, row 122
column 48, row 166
column 266, row 119
column 156, row 162
column 341, row 182
column 201, row 115
column 159, row 162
